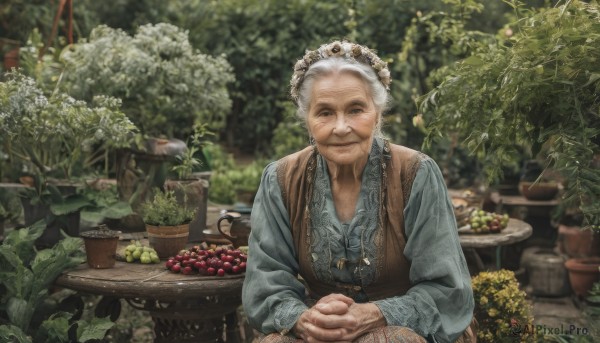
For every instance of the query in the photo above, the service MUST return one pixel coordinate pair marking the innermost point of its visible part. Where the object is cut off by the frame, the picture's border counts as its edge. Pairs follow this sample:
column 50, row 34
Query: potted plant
column 533, row 88
column 190, row 188
column 53, row 137
column 167, row 223
column 101, row 247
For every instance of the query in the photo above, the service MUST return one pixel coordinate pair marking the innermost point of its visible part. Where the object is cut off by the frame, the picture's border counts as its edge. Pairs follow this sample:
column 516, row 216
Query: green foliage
column 188, row 162
column 536, row 88
column 229, row 179
column 166, row 86
column 101, row 204
column 19, row 17
column 290, row 135
column 165, row 210
column 25, row 276
column 10, row 207
column 53, row 136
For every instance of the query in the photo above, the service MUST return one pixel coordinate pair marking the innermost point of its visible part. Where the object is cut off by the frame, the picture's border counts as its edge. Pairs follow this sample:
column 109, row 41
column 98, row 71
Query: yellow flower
column 492, row 312
column 483, row 300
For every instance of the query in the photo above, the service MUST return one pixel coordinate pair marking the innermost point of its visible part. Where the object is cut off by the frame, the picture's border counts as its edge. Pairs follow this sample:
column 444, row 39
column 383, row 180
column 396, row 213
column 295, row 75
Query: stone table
column 515, row 231
column 184, row 308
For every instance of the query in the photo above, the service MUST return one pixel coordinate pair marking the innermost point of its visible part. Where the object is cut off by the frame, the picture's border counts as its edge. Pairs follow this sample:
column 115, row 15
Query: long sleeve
column 439, row 305
column 272, row 295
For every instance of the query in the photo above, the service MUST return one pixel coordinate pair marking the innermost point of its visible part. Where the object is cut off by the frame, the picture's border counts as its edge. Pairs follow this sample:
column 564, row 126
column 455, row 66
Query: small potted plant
column 101, row 247
column 191, row 189
column 167, row 223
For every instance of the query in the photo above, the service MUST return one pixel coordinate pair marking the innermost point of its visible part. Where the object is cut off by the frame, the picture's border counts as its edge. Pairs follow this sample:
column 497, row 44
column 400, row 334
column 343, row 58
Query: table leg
column 204, row 320
column 498, row 257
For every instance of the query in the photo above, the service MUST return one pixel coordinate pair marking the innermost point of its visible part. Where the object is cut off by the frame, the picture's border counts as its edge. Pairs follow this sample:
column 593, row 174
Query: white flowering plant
column 166, row 86
column 57, row 136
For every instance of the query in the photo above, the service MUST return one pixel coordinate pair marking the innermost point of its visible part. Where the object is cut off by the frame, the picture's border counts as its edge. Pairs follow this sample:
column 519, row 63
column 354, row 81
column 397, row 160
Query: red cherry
column 202, row 265
column 243, row 266
column 187, row 270
column 211, row 271
column 178, row 258
column 197, row 265
column 202, row 252
column 221, row 272
column 235, row 269
column 176, row 268
column 169, row 263
column 227, row 266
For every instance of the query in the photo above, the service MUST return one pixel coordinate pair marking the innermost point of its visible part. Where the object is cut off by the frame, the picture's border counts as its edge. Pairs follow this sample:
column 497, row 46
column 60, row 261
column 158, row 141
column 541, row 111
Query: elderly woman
column 353, row 238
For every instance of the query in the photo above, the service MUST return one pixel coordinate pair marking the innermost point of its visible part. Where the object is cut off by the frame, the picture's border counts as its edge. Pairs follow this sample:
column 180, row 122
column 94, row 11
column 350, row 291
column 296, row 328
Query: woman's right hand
column 327, row 321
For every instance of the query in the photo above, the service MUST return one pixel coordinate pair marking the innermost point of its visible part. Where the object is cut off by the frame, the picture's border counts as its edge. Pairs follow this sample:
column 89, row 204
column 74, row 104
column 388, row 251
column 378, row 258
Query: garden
column 129, row 122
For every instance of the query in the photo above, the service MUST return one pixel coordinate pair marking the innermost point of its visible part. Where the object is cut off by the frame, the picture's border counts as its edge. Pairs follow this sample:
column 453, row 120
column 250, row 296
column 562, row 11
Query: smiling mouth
column 342, row 144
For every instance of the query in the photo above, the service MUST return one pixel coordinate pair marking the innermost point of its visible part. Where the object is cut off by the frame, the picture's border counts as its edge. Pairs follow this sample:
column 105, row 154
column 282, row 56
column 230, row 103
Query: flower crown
column 342, row 49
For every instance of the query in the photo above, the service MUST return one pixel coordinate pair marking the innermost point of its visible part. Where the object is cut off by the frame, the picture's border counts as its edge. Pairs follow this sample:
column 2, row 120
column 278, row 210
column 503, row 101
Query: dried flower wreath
column 342, row 49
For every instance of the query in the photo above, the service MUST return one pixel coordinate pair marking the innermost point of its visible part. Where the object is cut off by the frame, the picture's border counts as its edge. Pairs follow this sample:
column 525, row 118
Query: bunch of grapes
column 218, row 261
column 486, row 222
column 137, row 252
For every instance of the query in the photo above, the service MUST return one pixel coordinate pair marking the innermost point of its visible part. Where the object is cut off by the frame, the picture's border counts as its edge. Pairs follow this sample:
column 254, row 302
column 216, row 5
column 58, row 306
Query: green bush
column 26, row 275
column 165, row 210
column 166, row 86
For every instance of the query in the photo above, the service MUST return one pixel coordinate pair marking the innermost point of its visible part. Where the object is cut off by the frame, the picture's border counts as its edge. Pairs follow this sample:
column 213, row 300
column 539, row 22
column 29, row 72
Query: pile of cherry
column 208, row 261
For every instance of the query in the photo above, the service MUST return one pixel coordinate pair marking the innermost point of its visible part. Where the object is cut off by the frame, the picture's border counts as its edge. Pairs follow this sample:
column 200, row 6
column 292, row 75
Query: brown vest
column 295, row 174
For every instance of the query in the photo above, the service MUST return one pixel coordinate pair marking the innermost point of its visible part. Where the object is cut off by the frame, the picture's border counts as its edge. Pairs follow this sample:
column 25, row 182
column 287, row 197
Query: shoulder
column 295, row 158
column 404, row 153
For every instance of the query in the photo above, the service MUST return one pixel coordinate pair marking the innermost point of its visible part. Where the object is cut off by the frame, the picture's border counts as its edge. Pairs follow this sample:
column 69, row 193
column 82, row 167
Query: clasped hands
column 337, row 318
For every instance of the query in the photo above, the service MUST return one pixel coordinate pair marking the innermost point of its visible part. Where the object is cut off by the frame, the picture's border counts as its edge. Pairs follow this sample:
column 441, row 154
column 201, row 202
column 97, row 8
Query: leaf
column 593, row 78
column 56, row 328
column 473, row 61
column 117, row 210
column 11, row 333
column 95, row 329
column 19, row 312
column 70, row 204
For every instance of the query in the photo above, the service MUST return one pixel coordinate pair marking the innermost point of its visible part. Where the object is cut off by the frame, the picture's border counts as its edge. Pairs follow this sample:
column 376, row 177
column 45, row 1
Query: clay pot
column 538, row 191
column 101, row 247
column 168, row 240
column 575, row 242
column 583, row 272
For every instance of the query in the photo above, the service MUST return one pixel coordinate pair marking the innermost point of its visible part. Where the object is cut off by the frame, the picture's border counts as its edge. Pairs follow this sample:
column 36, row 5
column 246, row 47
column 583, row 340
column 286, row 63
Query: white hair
column 332, row 65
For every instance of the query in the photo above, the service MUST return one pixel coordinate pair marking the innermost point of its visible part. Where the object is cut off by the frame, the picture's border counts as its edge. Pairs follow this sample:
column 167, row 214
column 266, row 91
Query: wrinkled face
column 342, row 118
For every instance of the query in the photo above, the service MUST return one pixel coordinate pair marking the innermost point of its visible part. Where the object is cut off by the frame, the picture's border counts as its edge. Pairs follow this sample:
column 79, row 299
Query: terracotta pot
column 101, row 247
column 538, row 191
column 11, row 59
column 583, row 272
column 575, row 242
column 168, row 240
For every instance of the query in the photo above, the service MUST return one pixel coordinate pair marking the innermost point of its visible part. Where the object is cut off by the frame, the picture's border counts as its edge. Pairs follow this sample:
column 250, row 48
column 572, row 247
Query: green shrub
column 165, row 84
column 165, row 210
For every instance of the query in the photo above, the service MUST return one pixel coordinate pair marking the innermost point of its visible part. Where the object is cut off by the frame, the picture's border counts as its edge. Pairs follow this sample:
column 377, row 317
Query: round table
column 515, row 231
column 184, row 308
